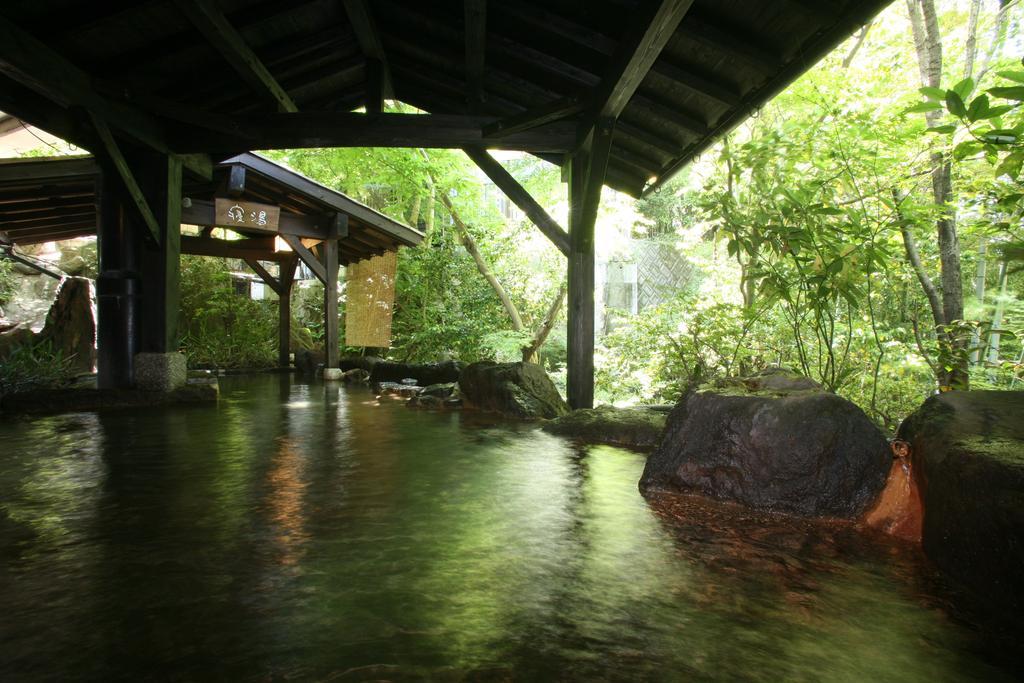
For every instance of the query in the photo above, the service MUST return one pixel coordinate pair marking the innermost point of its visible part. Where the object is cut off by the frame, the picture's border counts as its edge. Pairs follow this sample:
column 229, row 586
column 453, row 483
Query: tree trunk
column 998, row 38
column 928, row 43
column 997, row 320
column 857, row 45
column 979, row 294
column 546, row 325
column 414, row 215
column 470, row 244
column 971, row 46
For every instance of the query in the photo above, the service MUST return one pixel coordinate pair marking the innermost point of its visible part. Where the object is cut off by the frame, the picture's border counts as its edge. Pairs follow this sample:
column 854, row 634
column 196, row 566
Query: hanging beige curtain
column 370, row 298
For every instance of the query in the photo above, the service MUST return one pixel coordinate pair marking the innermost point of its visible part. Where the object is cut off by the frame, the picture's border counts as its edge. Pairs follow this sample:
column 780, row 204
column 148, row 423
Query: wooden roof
column 225, row 76
column 54, row 198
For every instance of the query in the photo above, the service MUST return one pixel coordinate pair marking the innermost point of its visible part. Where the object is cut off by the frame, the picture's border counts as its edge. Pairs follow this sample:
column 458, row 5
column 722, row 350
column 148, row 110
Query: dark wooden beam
column 475, row 23
column 634, row 58
column 308, row 257
column 206, row 16
column 346, row 129
column 538, row 116
column 260, row 248
column 365, row 29
column 520, row 197
column 576, row 33
column 117, row 158
column 264, row 275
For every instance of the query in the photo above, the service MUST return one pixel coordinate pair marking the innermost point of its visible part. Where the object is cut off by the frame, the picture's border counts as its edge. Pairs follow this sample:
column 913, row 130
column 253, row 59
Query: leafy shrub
column 219, row 327
column 7, row 281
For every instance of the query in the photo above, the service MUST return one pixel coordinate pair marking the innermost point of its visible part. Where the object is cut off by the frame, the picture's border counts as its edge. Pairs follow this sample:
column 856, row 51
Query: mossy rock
column 636, row 427
column 967, row 449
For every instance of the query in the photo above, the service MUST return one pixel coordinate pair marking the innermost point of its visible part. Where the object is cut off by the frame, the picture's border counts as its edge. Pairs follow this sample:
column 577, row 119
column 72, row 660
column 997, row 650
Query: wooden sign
column 233, row 213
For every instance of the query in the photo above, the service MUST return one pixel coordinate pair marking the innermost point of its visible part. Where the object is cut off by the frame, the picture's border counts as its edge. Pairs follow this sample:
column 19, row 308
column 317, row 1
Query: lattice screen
column 369, row 301
column 662, row 272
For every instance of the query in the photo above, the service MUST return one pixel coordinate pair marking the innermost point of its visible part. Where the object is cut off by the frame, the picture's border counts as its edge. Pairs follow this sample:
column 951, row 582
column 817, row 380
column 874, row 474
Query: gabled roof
column 213, row 74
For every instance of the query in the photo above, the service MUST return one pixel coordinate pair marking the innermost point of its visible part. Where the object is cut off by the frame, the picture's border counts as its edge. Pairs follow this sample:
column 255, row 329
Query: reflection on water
column 301, row 531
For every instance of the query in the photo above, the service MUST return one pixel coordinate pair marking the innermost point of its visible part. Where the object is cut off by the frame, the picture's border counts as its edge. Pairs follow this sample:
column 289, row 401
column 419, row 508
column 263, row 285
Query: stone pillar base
column 332, row 374
column 160, row 371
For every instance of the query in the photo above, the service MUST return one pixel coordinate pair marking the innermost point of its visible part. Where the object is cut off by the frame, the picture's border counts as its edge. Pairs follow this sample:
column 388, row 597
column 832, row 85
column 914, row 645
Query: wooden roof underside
column 43, row 200
column 477, row 63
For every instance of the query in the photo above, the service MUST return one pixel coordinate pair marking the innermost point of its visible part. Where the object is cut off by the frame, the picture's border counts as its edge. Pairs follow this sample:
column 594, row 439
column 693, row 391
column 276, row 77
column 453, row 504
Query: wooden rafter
column 219, row 33
column 475, row 13
column 520, row 197
column 31, row 63
column 348, row 129
column 370, row 43
column 635, row 58
column 537, row 116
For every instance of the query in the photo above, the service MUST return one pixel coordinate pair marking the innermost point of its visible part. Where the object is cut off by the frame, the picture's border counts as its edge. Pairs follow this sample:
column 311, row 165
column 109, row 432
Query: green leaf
column 955, row 103
column 994, row 112
column 1011, row 165
column 1013, row 75
column 965, row 149
column 944, row 129
column 1010, row 93
column 978, row 108
column 964, row 88
column 937, row 94
column 922, row 107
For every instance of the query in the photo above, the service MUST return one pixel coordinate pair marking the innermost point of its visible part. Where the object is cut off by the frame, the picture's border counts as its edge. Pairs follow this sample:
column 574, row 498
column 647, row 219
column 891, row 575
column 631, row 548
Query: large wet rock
column 521, row 390
column 776, row 442
column 424, row 373
column 639, row 427
column 968, row 455
column 70, row 327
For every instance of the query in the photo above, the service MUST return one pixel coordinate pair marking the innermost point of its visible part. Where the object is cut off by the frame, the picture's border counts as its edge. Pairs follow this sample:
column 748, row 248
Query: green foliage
column 33, row 366
column 7, row 281
column 220, row 328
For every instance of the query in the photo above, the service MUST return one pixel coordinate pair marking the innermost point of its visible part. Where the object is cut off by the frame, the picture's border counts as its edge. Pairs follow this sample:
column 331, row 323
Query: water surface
column 305, row 532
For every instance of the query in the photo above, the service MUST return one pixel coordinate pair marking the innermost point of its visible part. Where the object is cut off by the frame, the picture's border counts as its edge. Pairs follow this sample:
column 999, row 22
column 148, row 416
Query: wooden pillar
column 329, row 249
column 580, row 311
column 117, row 303
column 586, row 178
column 284, row 311
column 330, row 261
column 160, row 180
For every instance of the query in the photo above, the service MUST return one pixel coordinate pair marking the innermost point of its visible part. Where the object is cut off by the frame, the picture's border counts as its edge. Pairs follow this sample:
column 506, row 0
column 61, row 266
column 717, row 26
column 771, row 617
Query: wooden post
column 160, row 263
column 117, row 305
column 284, row 311
column 330, row 261
column 586, row 177
column 581, row 291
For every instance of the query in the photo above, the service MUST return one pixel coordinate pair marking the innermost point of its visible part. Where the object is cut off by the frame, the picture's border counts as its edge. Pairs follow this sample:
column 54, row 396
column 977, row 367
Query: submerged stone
column 968, row 455
column 639, row 427
column 521, row 390
column 772, row 442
